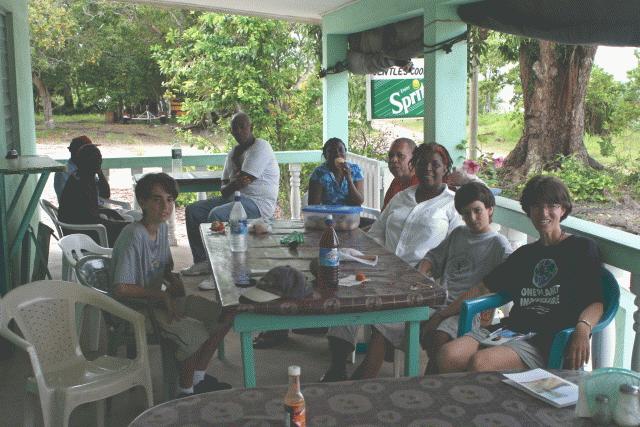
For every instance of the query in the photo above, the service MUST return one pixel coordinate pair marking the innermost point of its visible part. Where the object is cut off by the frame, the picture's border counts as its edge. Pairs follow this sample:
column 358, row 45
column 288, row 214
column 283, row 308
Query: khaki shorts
column 527, row 352
column 200, row 320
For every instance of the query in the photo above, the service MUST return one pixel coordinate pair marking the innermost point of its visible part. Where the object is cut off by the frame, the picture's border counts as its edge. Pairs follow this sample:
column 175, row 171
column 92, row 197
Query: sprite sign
column 395, row 93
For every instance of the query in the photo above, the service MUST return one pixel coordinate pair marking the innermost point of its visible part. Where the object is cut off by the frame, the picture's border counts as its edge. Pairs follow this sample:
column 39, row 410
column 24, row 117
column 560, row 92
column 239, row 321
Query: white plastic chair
column 124, row 209
column 52, row 211
column 123, row 205
column 44, row 311
column 74, row 247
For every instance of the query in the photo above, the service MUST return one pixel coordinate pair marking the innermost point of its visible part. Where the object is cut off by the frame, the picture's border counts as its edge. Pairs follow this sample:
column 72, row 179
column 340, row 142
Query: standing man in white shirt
column 251, row 168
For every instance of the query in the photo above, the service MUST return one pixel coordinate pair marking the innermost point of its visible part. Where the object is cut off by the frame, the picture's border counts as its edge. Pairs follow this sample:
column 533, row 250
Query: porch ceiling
column 293, row 10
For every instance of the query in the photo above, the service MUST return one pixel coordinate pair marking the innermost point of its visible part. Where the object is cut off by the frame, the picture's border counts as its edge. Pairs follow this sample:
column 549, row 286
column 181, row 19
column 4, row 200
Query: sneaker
column 207, row 284
column 210, row 383
column 270, row 339
column 197, row 269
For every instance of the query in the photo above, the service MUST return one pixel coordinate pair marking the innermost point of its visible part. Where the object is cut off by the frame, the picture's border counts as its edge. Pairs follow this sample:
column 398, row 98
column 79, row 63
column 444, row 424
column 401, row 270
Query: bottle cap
column 294, row 370
column 629, row 389
column 236, row 195
column 329, row 220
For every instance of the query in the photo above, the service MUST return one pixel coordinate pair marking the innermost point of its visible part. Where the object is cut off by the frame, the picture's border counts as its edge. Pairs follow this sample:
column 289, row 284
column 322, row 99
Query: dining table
column 461, row 399
column 393, row 292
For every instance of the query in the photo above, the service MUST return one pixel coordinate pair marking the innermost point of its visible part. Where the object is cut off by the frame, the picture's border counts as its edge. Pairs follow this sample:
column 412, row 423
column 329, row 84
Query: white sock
column 198, row 376
column 185, row 390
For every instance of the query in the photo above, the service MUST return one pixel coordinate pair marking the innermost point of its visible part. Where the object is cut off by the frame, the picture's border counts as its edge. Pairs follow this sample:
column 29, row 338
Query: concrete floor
column 310, row 352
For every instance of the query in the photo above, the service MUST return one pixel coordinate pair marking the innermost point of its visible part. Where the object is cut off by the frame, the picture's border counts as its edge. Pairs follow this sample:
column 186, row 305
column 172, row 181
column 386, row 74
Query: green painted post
column 248, row 360
column 335, row 89
column 412, row 356
column 445, row 79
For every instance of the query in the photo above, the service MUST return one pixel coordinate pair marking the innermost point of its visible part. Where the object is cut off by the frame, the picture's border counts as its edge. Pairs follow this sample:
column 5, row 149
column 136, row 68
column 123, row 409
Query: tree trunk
column 45, row 96
column 554, row 83
column 79, row 103
column 68, row 99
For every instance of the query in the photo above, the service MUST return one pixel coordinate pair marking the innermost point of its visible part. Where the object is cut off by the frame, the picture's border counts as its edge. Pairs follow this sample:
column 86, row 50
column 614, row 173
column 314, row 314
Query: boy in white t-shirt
column 462, row 260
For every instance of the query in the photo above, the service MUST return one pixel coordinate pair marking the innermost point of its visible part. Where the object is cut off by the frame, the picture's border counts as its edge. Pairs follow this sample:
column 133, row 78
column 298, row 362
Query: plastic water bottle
column 328, row 257
column 238, row 225
column 176, row 157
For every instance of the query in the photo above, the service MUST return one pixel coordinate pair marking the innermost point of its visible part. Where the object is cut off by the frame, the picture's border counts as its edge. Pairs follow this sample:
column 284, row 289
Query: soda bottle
column 238, row 226
column 294, row 407
column 329, row 259
column 176, row 157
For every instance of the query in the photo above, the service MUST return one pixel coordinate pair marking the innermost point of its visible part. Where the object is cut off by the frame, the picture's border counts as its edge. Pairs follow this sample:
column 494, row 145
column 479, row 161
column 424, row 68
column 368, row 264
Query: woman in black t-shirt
column 554, row 283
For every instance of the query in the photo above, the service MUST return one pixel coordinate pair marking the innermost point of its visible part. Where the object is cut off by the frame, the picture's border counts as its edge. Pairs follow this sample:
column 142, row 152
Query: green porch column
column 445, row 79
column 335, row 89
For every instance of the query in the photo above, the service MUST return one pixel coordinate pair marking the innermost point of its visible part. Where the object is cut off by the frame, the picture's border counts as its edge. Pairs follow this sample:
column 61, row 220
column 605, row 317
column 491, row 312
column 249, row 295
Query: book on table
column 545, row 386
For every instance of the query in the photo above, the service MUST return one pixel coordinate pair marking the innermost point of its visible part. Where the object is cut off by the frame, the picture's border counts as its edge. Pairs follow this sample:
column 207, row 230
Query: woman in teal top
column 336, row 181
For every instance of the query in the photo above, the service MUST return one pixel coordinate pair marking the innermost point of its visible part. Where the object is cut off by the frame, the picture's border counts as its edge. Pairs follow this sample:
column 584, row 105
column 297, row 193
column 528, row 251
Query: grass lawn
column 95, row 127
column 499, row 133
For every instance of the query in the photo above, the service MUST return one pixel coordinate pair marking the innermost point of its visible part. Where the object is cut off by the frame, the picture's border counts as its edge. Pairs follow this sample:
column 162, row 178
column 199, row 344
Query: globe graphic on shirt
column 544, row 272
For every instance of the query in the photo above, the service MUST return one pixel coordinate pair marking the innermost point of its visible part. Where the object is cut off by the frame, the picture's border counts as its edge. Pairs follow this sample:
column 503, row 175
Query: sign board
column 395, row 93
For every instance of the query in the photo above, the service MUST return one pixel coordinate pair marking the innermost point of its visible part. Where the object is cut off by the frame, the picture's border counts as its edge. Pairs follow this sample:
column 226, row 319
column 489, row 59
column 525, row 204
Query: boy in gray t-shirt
column 142, row 262
column 462, row 260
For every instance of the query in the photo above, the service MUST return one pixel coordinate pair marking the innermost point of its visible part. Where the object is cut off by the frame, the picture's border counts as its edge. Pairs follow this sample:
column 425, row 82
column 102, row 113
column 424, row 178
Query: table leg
column 4, row 241
column 412, row 355
column 248, row 360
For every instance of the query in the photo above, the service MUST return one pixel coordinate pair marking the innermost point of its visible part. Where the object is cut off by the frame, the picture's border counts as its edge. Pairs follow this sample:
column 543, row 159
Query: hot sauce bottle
column 294, row 406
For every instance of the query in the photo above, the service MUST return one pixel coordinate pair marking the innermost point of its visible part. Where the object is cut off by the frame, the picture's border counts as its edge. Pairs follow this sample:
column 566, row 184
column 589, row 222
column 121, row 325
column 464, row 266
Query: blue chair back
column 611, row 302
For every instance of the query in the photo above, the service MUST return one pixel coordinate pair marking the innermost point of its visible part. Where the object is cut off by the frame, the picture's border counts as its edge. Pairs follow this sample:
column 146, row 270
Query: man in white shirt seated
column 251, row 168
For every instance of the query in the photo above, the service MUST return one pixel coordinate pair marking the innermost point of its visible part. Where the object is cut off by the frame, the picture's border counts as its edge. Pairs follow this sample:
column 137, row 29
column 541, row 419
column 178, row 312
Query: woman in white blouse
column 414, row 222
column 420, row 217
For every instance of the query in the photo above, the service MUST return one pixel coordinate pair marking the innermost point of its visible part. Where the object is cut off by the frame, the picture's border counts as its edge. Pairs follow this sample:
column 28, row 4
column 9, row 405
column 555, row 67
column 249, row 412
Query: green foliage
column 606, row 145
column 94, row 55
column 265, row 67
column 185, row 199
column 584, row 182
column 603, row 114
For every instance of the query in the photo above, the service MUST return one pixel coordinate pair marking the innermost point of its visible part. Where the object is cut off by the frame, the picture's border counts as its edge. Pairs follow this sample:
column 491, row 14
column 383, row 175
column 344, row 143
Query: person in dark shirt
column 554, row 283
column 79, row 200
column 60, row 178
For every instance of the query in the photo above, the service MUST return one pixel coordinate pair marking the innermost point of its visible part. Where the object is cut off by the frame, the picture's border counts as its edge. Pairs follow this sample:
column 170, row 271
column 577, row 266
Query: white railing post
column 294, row 196
column 173, row 241
column 202, row 195
column 635, row 289
column 135, row 171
